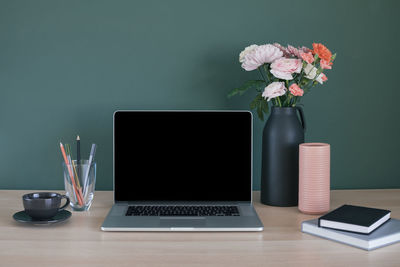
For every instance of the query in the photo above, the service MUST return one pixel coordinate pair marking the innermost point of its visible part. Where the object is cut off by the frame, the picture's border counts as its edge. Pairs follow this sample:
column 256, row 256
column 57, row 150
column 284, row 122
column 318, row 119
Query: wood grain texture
column 80, row 242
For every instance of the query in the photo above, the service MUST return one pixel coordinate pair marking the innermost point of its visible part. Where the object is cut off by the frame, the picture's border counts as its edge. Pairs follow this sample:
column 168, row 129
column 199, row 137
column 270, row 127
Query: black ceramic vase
column 282, row 135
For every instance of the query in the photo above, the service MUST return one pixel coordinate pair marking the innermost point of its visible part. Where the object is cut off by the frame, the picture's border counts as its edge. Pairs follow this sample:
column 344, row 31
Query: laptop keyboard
column 149, row 210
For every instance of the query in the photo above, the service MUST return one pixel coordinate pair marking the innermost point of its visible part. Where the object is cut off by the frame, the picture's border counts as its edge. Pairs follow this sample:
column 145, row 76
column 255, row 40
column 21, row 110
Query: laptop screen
column 182, row 155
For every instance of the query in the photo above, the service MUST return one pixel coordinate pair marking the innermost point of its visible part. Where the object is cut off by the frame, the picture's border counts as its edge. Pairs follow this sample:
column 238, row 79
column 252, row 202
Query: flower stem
column 293, row 103
column 279, row 101
column 262, row 75
column 267, row 72
column 288, row 100
column 301, row 75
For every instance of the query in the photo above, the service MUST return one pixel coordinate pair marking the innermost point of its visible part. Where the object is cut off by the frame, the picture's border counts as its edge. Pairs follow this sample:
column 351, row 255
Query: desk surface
column 80, row 242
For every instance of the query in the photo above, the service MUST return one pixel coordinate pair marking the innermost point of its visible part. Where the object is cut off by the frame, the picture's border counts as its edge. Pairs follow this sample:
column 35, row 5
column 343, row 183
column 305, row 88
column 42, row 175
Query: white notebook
column 387, row 234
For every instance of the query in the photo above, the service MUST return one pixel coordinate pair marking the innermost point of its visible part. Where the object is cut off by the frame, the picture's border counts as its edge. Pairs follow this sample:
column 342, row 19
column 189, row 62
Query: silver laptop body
column 182, row 171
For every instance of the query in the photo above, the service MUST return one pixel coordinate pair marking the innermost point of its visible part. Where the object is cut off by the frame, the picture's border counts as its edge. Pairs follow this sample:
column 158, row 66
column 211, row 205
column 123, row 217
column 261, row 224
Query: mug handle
column 66, row 204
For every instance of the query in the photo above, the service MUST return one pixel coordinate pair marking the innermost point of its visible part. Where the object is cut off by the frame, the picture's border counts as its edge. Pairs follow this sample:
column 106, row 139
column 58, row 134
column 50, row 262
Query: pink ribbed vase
column 314, row 177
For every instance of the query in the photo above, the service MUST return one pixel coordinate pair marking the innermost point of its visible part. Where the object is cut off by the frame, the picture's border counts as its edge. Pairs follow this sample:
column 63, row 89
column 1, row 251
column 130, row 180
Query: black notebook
column 354, row 219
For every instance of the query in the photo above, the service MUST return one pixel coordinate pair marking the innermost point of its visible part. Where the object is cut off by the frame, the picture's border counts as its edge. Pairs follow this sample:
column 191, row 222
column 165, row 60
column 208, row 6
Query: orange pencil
column 78, row 196
column 78, row 186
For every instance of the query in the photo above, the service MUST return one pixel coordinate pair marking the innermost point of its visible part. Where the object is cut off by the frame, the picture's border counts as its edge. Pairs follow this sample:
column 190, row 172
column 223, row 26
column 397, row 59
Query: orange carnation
column 322, row 52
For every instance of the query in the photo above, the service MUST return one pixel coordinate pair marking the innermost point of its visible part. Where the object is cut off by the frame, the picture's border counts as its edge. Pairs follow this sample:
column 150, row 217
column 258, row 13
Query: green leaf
column 253, row 103
column 260, row 112
column 233, row 92
column 265, row 107
column 258, row 85
column 260, row 105
column 333, row 57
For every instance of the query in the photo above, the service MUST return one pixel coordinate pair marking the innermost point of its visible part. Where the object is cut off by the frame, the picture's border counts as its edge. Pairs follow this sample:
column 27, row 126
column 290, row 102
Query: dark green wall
column 65, row 66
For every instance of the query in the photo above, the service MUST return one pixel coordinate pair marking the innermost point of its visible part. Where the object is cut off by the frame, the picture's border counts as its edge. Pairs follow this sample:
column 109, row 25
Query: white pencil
column 90, row 161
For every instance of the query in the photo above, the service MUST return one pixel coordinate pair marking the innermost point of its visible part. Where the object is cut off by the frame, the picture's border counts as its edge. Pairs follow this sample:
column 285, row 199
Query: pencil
column 71, row 174
column 85, row 178
column 71, row 163
column 78, row 150
column 78, row 154
column 78, row 185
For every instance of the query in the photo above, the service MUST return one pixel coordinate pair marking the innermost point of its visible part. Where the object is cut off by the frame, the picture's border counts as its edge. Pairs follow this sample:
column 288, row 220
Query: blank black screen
column 182, row 155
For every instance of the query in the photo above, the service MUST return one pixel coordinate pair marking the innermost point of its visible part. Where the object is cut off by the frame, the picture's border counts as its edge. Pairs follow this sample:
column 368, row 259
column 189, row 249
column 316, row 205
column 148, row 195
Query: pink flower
column 296, row 90
column 283, row 49
column 307, row 57
column 261, row 55
column 304, row 49
column 325, row 64
column 246, row 51
column 284, row 67
column 273, row 90
column 293, row 51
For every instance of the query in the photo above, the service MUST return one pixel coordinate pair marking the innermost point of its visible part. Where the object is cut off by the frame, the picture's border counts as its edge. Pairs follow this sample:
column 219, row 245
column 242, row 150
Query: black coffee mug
column 43, row 205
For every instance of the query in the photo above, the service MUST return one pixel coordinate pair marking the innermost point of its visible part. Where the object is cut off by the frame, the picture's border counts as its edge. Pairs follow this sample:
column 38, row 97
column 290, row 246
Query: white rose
column 247, row 50
column 311, row 72
column 273, row 90
column 321, row 78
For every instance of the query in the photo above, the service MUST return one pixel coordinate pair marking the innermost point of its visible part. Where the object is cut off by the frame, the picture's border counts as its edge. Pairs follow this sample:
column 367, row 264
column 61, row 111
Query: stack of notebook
column 362, row 227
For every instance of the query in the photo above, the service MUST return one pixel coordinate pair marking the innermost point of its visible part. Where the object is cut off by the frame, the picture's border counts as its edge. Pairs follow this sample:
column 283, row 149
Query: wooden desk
column 80, row 242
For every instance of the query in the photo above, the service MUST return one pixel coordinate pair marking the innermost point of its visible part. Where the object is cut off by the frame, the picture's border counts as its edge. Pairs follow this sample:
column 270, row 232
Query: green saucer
column 61, row 216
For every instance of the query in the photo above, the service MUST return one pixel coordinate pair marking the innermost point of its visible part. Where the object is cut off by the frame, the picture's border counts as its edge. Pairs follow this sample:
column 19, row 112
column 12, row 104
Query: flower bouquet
column 287, row 73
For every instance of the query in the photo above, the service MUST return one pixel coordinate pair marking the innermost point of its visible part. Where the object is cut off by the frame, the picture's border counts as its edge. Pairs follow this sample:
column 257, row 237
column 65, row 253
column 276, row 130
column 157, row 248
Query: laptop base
column 247, row 221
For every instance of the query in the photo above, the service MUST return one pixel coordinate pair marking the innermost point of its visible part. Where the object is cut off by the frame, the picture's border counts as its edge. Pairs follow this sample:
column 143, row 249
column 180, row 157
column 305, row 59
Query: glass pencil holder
column 79, row 181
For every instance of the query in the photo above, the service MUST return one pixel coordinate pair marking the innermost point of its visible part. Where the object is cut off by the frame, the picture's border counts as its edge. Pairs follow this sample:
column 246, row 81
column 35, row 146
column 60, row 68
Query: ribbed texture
column 314, row 178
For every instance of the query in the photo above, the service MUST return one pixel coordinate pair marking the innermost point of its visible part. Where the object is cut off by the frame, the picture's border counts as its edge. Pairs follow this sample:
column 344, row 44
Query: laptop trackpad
column 182, row 222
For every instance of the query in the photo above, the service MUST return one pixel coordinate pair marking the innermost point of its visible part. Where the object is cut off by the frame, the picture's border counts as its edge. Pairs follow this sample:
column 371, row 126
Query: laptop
column 182, row 171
